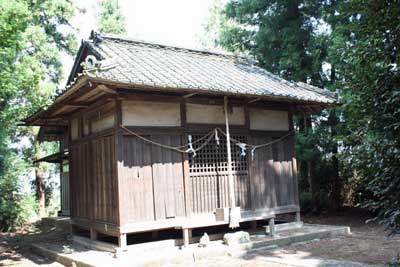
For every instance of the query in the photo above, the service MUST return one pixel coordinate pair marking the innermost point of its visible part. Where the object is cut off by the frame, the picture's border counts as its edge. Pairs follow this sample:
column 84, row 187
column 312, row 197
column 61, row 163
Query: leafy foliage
column 285, row 38
column 30, row 68
column 358, row 43
column 279, row 34
column 369, row 62
column 111, row 19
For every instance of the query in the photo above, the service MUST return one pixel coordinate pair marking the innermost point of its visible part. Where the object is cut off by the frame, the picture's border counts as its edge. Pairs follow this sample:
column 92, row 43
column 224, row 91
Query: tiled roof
column 148, row 64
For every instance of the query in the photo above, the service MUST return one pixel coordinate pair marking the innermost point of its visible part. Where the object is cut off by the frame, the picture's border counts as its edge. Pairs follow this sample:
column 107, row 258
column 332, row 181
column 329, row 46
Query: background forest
column 348, row 155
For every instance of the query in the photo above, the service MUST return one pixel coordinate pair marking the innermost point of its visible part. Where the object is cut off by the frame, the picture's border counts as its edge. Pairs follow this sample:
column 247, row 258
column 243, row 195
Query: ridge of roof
column 98, row 37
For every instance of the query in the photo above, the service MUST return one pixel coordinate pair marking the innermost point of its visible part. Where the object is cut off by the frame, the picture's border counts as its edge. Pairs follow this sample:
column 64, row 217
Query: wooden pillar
column 122, row 242
column 72, row 229
column 234, row 215
column 253, row 225
column 298, row 218
column 272, row 227
column 231, row 184
column 185, row 157
column 187, row 235
column 154, row 235
column 62, row 195
column 93, row 234
column 119, row 158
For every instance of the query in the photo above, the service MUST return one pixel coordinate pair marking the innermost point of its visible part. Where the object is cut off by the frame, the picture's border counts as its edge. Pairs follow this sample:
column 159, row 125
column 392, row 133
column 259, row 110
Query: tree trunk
column 311, row 167
column 336, row 194
column 40, row 191
column 303, row 165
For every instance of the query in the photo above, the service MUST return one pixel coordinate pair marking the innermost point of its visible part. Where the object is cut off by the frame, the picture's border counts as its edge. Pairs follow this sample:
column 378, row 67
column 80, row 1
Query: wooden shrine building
column 146, row 131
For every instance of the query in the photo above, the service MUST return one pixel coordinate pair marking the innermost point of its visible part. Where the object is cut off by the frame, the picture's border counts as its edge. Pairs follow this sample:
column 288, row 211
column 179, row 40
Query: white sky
column 176, row 22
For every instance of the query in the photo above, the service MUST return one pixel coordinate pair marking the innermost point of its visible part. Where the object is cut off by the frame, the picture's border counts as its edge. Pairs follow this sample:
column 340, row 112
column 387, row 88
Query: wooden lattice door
column 209, row 177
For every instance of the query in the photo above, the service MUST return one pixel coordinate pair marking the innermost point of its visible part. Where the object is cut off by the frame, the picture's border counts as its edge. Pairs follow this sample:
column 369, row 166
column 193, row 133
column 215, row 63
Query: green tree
column 111, row 19
column 286, row 39
column 278, row 33
column 365, row 49
column 361, row 43
column 30, row 68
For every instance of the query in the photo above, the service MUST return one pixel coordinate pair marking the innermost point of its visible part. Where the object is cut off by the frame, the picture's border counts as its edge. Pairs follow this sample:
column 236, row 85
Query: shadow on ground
column 368, row 244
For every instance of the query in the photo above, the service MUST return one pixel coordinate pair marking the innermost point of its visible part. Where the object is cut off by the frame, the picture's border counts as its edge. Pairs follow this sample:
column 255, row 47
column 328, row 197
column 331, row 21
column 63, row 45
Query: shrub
column 10, row 204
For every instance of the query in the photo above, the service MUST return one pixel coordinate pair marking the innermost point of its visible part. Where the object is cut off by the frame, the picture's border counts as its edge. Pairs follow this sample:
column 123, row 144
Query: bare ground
column 15, row 247
column 368, row 244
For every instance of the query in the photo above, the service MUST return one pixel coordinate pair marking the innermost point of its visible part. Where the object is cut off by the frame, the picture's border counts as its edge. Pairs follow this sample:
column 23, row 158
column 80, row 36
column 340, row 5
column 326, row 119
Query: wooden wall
column 119, row 179
column 273, row 181
column 151, row 180
column 93, row 180
column 64, row 193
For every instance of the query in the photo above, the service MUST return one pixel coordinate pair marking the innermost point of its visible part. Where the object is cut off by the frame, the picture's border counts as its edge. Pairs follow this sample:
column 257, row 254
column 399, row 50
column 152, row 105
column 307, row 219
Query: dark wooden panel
column 273, row 181
column 136, row 181
column 80, row 181
column 262, row 175
column 168, row 182
column 93, row 181
column 104, row 180
column 64, row 189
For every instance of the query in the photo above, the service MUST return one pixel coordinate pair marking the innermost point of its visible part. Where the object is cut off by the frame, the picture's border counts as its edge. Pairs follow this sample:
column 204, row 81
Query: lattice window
column 213, row 158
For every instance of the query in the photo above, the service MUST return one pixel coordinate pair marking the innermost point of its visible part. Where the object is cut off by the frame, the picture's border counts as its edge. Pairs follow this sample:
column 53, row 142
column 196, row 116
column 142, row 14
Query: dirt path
column 22, row 257
column 15, row 251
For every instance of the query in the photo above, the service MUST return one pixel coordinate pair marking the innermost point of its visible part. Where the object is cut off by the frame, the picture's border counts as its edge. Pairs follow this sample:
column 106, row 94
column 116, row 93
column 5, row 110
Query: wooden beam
column 107, row 89
column 78, row 105
column 92, row 108
column 189, row 95
column 148, row 97
column 154, row 130
column 254, row 100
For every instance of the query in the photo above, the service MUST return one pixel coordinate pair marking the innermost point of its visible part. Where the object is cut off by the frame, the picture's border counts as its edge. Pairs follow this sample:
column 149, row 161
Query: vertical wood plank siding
column 119, row 179
column 272, row 180
column 152, row 180
column 93, row 180
column 64, row 186
column 136, row 181
column 81, row 193
column 168, row 178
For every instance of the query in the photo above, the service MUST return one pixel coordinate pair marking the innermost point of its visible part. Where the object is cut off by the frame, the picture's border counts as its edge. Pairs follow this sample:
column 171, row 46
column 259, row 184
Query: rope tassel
column 243, row 149
column 190, row 144
column 252, row 153
column 216, row 137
